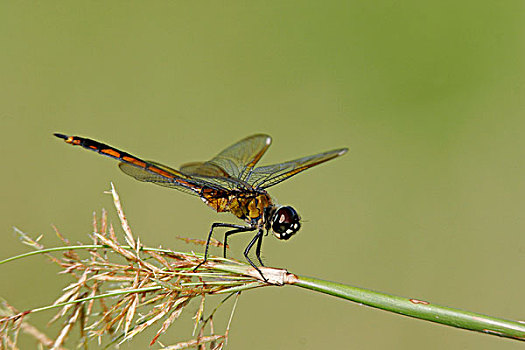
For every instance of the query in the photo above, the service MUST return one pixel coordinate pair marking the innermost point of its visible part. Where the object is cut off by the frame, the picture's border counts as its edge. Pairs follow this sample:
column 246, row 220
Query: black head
column 285, row 222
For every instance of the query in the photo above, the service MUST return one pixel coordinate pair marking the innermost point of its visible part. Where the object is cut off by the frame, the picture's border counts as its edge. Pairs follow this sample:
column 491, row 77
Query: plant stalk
column 417, row 308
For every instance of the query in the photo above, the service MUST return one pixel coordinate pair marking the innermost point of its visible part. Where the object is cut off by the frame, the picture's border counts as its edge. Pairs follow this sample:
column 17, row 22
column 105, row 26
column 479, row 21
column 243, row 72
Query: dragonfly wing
column 213, row 174
column 162, row 175
column 270, row 175
column 236, row 161
column 203, row 169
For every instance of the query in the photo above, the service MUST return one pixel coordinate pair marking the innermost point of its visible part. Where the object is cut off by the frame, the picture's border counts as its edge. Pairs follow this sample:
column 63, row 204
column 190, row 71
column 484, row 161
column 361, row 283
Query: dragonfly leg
column 257, row 237
column 213, row 226
column 232, row 232
column 258, row 249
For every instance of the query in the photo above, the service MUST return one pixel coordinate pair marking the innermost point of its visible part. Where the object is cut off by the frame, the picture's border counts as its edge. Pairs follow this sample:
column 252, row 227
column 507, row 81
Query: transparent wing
column 235, row 162
column 165, row 176
column 214, row 174
column 203, row 169
column 270, row 175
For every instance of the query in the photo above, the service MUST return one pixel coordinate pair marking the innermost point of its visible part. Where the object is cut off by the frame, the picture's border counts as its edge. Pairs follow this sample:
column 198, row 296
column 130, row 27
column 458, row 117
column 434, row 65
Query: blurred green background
column 428, row 96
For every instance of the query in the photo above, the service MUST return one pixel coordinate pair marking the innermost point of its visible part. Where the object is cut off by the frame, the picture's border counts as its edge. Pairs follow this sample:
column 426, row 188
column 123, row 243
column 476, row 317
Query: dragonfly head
column 285, row 222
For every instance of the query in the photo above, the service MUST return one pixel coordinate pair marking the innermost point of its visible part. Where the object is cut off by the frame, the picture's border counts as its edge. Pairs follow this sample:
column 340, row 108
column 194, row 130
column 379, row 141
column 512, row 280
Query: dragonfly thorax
column 284, row 222
column 247, row 206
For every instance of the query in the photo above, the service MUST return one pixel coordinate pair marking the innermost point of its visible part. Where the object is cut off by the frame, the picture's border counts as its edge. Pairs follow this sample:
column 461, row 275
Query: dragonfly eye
column 285, row 222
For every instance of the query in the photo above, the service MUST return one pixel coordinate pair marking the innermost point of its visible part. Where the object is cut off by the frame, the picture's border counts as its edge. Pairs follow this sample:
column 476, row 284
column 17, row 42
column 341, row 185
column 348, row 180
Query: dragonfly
column 229, row 182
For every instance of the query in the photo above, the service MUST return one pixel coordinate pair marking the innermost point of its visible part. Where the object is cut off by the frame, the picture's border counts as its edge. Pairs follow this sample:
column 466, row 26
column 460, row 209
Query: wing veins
column 270, row 175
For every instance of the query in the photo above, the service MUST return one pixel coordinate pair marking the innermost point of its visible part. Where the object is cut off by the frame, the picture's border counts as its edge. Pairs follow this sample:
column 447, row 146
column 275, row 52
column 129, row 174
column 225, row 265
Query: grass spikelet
column 121, row 290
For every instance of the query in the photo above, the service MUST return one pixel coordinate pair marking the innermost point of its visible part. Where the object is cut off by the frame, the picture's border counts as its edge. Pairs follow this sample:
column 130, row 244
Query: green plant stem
column 51, row 250
column 405, row 306
column 73, row 247
column 417, row 308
